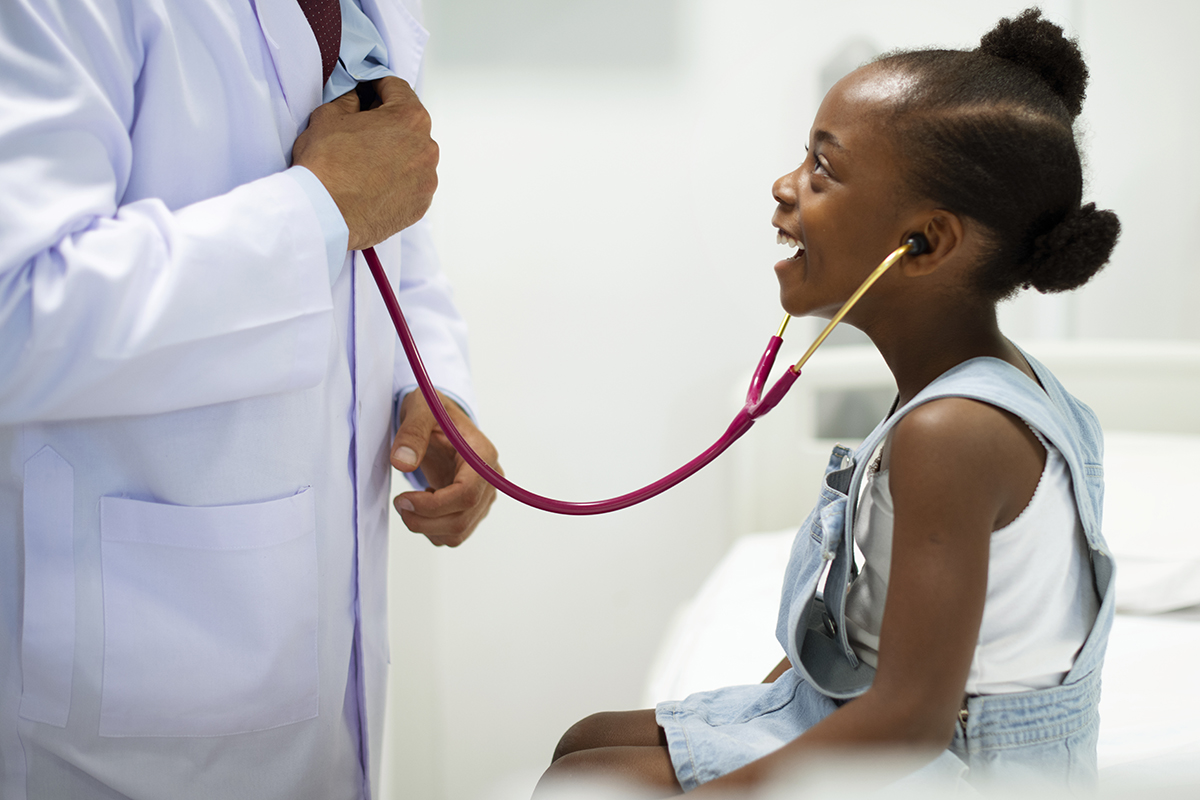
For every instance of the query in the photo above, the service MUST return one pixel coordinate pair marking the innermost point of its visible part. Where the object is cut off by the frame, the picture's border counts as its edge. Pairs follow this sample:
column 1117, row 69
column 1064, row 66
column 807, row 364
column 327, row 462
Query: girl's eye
column 818, row 164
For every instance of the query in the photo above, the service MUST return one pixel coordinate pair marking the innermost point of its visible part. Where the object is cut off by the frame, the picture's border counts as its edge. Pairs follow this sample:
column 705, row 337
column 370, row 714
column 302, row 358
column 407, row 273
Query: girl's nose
column 784, row 190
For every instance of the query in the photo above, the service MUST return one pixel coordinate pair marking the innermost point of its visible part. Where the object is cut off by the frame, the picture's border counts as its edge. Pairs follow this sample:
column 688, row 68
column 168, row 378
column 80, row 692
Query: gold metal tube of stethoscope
column 783, row 327
column 896, row 255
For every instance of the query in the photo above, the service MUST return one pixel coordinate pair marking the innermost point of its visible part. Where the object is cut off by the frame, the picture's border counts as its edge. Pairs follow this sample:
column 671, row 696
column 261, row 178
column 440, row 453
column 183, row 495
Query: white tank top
column 1041, row 601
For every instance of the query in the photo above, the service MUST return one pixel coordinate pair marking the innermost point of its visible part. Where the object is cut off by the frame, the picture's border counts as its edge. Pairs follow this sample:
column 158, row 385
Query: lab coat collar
column 295, row 54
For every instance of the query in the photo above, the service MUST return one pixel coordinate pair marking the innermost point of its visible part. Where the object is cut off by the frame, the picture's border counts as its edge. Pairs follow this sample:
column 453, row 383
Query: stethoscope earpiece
column 917, row 244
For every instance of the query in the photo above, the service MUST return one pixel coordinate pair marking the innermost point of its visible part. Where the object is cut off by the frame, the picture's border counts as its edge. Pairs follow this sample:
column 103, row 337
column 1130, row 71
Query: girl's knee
column 583, row 735
column 646, row 768
column 611, row 729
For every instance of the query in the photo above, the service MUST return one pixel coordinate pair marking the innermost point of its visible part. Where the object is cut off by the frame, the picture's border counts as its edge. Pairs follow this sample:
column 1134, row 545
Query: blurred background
column 604, row 212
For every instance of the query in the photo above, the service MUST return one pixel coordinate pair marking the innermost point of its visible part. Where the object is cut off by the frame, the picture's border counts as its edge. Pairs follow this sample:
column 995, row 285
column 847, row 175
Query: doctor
column 198, row 390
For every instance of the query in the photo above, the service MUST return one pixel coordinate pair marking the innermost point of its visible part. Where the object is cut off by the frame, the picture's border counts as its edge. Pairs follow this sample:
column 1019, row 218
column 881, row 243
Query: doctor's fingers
column 369, row 95
column 449, row 515
column 391, row 89
column 412, row 440
column 397, row 99
column 467, row 491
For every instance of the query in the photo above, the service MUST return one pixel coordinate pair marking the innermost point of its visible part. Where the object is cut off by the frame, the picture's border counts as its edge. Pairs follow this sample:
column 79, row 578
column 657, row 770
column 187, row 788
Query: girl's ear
column 945, row 234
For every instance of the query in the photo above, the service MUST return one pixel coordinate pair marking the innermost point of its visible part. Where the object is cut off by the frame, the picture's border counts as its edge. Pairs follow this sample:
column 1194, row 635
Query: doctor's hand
column 378, row 164
column 458, row 499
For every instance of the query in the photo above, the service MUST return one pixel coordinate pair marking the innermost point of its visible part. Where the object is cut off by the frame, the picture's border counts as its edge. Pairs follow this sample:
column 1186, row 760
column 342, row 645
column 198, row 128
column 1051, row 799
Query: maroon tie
column 325, row 17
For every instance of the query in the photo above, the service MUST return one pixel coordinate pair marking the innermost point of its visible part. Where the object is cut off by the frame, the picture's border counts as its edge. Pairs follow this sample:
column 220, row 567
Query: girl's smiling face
column 843, row 207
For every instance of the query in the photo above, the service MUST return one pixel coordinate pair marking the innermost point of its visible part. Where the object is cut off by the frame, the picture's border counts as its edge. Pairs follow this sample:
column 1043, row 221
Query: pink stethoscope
column 757, row 404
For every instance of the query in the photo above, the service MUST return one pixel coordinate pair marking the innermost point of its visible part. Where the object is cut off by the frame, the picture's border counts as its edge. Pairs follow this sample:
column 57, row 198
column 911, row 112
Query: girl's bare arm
column 959, row 469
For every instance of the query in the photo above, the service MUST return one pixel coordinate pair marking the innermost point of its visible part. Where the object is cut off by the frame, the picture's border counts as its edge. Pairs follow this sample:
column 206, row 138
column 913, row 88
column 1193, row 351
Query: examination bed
column 1145, row 396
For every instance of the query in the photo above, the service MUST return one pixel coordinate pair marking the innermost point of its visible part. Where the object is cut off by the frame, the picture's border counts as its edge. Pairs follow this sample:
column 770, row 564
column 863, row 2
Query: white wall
column 1144, row 112
column 608, row 231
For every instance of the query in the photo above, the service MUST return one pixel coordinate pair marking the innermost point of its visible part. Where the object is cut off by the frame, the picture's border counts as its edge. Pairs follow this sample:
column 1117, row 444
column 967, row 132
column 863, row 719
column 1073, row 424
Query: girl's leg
column 619, row 745
column 612, row 729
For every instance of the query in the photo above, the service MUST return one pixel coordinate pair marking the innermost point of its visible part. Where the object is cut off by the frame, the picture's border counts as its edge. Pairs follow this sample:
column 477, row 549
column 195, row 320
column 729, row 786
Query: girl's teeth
column 784, row 239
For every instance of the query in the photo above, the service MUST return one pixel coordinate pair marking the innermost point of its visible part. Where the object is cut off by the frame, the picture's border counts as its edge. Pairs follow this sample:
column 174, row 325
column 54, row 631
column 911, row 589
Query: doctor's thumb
column 412, row 439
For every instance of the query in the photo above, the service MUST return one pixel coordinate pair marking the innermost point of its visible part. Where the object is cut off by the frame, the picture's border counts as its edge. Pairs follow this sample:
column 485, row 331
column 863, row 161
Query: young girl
column 978, row 620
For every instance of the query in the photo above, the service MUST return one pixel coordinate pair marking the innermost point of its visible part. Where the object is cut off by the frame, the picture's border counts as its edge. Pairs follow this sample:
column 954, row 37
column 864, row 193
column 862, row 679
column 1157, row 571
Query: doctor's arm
column 455, row 498
column 113, row 300
column 118, row 298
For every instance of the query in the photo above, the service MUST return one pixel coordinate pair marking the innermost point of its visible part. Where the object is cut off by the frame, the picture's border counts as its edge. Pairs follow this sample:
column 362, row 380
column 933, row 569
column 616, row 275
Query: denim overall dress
column 1043, row 735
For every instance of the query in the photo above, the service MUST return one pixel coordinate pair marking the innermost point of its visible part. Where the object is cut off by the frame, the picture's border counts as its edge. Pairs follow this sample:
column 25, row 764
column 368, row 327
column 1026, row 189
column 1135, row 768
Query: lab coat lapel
column 295, row 53
column 402, row 34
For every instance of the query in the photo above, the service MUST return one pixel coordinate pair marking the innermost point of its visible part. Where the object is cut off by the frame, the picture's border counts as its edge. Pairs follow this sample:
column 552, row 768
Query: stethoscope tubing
column 756, row 405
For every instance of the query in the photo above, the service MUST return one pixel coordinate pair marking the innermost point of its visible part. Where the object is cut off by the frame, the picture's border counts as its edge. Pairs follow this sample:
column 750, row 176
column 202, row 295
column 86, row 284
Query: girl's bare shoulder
column 966, row 452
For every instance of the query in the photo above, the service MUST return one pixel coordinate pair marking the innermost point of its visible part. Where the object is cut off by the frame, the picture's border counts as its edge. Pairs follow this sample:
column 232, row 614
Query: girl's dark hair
column 987, row 133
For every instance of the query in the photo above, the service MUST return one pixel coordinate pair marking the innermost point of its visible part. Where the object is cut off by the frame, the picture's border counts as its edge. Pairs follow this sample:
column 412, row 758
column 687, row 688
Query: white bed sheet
column 1150, row 706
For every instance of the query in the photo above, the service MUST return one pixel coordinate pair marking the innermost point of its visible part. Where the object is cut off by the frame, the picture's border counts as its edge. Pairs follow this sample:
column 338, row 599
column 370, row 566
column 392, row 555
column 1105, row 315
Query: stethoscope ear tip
column 917, row 244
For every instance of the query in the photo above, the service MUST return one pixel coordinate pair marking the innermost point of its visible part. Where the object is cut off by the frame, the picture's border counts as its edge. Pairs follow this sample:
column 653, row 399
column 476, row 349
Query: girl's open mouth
column 787, row 240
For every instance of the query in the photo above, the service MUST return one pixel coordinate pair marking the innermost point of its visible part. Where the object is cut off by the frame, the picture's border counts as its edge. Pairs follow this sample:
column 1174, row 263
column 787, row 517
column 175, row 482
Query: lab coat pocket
column 48, row 618
column 210, row 617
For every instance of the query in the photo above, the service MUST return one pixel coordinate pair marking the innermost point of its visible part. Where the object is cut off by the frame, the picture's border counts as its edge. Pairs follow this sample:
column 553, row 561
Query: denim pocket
column 830, row 512
column 210, row 617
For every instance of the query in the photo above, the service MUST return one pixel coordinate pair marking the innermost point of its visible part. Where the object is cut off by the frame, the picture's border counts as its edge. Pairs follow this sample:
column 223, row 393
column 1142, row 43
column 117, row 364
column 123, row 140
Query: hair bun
column 1039, row 45
column 1070, row 253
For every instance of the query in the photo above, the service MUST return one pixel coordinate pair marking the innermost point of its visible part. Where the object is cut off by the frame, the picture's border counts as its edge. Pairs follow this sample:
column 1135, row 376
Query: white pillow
column 1152, row 519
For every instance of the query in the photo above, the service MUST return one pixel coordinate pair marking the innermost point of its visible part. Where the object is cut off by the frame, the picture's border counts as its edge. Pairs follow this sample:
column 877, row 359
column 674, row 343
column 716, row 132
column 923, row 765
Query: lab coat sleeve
column 441, row 334
column 112, row 308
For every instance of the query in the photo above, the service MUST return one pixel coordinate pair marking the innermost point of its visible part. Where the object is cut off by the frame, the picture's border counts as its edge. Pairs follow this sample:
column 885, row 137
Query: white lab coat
column 194, row 419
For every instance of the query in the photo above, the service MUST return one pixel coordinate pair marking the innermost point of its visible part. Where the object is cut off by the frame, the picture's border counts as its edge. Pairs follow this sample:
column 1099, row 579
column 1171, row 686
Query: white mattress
column 1150, row 706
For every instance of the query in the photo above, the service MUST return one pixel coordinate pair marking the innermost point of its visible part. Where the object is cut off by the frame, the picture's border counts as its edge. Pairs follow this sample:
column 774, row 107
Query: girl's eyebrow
column 828, row 138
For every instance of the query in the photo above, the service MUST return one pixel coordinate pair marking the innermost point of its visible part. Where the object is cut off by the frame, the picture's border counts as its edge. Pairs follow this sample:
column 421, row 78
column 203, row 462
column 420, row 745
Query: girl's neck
column 919, row 348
